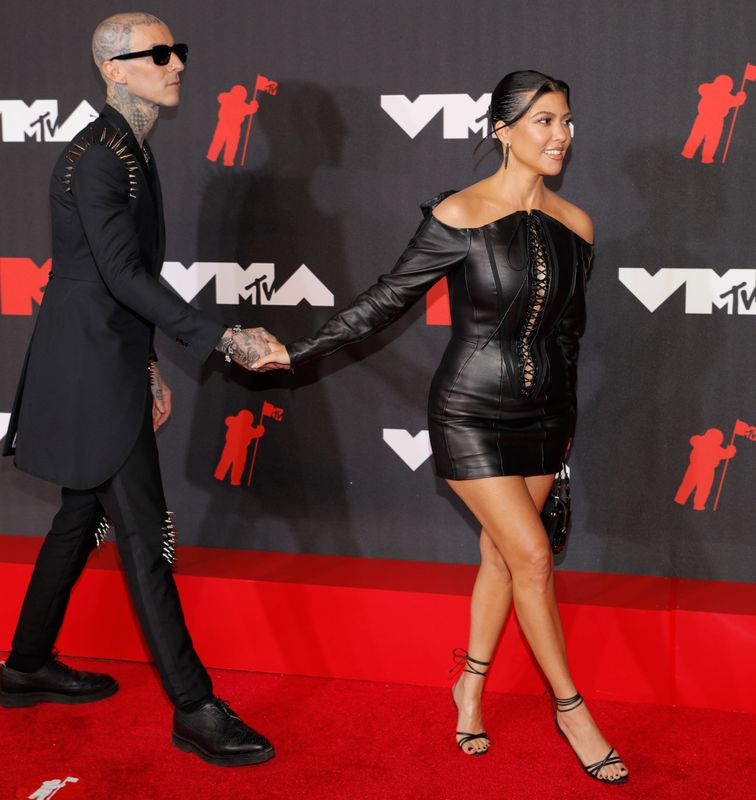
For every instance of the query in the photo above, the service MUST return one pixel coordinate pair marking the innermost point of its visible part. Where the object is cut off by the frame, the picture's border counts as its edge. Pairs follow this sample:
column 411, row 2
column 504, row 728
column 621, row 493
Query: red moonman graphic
column 240, row 432
column 705, row 456
column 714, row 105
column 233, row 109
column 231, row 113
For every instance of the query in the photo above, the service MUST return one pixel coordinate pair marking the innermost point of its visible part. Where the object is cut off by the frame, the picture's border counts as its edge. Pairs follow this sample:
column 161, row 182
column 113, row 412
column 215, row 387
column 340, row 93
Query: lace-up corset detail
column 539, row 280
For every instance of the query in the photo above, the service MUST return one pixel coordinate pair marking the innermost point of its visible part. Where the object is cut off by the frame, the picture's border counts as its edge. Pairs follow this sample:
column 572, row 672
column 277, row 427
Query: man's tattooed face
column 137, row 87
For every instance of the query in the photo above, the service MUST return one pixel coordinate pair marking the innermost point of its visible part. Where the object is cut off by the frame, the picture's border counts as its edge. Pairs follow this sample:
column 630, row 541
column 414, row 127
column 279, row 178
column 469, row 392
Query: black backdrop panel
column 377, row 108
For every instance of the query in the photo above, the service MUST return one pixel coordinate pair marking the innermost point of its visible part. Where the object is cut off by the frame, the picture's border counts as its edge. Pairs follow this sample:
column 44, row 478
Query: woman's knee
column 534, row 567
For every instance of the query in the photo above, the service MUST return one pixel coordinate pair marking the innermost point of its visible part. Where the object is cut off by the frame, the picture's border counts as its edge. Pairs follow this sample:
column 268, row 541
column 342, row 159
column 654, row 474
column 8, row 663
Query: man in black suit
column 91, row 396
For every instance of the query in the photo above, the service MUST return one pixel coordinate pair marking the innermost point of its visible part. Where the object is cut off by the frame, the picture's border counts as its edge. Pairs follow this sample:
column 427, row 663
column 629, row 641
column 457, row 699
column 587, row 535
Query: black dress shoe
column 53, row 683
column 217, row 735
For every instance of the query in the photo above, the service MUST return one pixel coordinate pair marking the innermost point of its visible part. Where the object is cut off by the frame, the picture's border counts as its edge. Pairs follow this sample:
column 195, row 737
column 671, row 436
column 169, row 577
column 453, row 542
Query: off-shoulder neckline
column 506, row 216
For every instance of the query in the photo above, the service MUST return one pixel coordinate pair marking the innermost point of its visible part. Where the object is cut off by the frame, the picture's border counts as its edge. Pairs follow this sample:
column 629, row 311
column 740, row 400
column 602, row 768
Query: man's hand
column 161, row 397
column 247, row 346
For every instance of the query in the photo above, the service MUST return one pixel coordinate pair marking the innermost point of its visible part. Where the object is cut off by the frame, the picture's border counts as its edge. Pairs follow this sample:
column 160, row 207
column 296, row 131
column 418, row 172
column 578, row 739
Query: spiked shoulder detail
column 113, row 139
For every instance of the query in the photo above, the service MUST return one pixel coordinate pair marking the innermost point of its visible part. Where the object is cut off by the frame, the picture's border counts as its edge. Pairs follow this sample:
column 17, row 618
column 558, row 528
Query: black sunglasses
column 161, row 53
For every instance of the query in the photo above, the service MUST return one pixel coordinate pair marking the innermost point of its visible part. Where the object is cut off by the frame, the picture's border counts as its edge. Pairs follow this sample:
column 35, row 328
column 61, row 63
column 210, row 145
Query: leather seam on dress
column 471, row 304
column 446, row 405
column 502, row 365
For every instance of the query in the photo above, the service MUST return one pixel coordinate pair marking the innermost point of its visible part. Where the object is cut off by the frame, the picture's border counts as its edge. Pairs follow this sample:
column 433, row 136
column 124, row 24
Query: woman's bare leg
column 505, row 508
column 489, row 608
column 538, row 488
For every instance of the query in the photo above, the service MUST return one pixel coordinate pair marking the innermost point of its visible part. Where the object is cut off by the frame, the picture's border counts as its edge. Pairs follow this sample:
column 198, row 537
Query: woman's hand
column 161, row 397
column 277, row 358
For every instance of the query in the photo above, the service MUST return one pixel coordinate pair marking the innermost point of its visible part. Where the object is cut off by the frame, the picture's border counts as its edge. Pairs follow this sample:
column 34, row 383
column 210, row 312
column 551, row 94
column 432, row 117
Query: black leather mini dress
column 503, row 399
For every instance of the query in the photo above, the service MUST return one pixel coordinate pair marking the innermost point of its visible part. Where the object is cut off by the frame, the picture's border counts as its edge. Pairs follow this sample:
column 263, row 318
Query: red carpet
column 349, row 740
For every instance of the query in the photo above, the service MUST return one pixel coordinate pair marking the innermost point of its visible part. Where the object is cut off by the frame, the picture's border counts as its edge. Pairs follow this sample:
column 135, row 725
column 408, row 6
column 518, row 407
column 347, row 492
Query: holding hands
column 255, row 349
column 277, row 358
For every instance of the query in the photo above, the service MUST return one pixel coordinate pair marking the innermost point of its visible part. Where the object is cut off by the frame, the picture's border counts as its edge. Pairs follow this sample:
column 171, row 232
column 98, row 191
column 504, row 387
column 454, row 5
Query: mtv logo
column 461, row 113
column 39, row 121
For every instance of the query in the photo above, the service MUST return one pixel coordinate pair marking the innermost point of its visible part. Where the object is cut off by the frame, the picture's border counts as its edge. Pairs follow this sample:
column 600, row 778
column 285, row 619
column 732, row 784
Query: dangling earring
column 506, row 155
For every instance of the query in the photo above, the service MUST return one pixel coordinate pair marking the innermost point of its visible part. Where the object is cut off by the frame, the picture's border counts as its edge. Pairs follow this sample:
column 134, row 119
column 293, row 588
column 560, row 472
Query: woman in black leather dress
column 502, row 403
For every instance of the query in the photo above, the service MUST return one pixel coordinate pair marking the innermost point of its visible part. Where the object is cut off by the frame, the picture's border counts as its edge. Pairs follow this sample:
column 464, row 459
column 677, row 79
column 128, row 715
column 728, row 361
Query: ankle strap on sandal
column 568, row 703
column 464, row 663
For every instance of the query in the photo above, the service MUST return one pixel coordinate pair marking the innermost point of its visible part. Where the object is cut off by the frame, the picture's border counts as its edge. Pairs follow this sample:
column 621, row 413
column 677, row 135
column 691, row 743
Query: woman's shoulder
column 467, row 208
column 572, row 216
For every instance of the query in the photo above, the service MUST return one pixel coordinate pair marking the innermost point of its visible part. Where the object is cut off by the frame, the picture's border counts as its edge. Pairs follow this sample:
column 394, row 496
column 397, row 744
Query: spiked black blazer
column 84, row 385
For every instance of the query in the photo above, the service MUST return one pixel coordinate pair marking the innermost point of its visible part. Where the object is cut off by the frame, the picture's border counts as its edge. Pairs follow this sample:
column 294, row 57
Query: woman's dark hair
column 508, row 101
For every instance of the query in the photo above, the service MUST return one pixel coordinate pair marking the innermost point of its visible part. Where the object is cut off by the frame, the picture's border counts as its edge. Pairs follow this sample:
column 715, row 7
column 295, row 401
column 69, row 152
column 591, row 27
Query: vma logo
column 22, row 284
column 705, row 290
column 39, row 122
column 255, row 283
column 461, row 114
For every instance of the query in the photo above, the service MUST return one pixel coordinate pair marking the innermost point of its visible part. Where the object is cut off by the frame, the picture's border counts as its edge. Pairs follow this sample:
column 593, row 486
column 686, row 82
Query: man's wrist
column 226, row 344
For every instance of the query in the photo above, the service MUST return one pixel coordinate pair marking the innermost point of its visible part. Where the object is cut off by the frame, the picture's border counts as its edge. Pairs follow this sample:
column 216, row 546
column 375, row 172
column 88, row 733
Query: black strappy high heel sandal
column 463, row 658
column 561, row 706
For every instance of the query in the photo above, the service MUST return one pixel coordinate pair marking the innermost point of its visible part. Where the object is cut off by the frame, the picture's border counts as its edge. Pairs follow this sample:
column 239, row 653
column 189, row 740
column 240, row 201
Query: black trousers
column 133, row 499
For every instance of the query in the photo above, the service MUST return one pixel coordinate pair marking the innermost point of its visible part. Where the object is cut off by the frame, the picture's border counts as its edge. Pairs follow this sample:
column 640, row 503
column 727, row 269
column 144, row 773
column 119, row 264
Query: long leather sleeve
column 572, row 325
column 101, row 192
column 433, row 251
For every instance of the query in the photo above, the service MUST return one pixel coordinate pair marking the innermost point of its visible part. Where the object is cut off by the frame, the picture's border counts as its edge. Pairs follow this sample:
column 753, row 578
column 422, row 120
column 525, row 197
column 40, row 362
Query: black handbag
column 556, row 512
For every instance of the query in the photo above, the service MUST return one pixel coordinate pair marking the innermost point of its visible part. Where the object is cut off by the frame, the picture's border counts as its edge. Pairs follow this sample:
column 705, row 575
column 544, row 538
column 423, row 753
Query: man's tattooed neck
column 140, row 114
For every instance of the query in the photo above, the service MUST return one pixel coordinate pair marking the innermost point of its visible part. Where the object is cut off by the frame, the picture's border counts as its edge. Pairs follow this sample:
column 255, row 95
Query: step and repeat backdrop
column 280, row 211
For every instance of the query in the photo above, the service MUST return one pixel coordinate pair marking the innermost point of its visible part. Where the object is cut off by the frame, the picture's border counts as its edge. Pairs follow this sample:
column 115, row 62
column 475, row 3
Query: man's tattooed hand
column 246, row 346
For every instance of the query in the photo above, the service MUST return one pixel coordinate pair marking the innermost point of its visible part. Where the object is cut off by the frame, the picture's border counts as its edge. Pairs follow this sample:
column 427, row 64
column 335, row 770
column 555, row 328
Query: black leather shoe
column 53, row 683
column 216, row 734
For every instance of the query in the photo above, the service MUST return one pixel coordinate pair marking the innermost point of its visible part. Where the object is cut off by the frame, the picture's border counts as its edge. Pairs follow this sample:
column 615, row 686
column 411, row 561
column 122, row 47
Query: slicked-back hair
column 509, row 101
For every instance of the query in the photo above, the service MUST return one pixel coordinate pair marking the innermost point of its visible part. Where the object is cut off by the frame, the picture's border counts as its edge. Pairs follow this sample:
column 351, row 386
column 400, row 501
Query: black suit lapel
column 158, row 195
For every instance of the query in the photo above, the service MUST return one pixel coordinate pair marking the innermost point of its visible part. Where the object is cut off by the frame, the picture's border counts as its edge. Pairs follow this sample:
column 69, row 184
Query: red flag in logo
column 266, row 85
column 739, row 429
column 262, row 84
column 744, row 429
column 749, row 74
column 269, row 410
